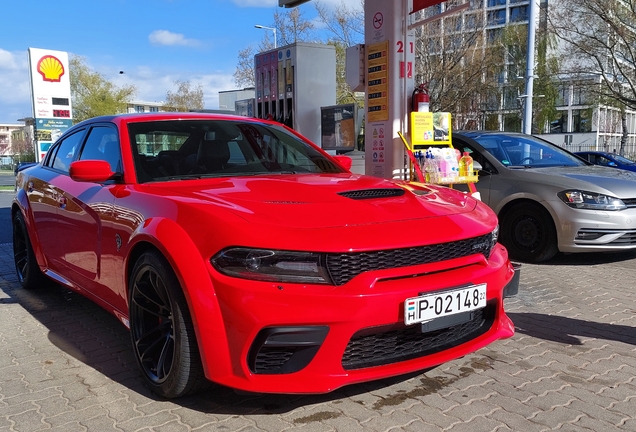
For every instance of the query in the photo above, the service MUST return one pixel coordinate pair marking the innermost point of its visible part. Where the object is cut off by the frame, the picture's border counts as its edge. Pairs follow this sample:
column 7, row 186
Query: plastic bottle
column 434, row 175
column 426, row 169
column 450, row 167
column 466, row 165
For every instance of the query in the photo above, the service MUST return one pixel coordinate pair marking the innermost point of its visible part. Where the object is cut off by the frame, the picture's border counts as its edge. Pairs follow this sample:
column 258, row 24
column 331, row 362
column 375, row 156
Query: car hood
column 619, row 183
column 323, row 201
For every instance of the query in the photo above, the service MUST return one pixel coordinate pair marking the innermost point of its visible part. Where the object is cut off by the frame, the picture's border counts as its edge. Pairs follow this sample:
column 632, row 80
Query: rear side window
column 66, row 152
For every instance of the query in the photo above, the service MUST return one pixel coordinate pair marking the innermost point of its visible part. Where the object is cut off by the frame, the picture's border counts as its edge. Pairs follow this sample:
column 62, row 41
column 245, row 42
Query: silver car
column 549, row 200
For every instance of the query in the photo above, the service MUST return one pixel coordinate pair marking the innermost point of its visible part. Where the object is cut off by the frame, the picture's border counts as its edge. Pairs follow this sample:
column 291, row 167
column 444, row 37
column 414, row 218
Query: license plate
column 430, row 306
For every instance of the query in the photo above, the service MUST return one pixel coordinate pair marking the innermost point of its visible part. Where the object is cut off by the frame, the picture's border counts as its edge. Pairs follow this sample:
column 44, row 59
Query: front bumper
column 595, row 231
column 292, row 338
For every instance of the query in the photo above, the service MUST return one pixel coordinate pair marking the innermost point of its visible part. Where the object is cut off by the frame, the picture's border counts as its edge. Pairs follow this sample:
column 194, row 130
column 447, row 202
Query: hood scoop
column 373, row 193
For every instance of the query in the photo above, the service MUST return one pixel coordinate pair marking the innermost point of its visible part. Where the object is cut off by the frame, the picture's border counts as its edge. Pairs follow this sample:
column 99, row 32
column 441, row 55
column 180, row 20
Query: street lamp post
column 269, row 28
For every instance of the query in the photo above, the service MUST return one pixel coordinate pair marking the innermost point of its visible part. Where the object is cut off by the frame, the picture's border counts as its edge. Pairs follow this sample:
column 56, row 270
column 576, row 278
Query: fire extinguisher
column 420, row 98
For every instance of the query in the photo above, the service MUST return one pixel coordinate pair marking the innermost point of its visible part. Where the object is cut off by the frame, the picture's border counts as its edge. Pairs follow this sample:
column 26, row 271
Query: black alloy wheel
column 26, row 265
column 529, row 234
column 162, row 332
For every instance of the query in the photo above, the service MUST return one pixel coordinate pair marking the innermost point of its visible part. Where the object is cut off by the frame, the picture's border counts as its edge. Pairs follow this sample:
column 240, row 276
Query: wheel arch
column 171, row 241
column 503, row 211
column 21, row 204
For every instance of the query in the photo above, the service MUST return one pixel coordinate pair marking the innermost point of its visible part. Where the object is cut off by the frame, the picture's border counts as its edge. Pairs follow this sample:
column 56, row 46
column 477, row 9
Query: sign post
column 390, row 55
column 51, row 96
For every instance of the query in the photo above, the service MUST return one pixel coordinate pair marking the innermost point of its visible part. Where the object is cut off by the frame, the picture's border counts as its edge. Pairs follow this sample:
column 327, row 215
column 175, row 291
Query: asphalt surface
column 66, row 365
column 7, row 178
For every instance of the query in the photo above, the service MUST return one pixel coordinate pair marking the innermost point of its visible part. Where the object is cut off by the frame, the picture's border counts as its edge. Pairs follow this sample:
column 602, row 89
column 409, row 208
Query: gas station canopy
column 291, row 3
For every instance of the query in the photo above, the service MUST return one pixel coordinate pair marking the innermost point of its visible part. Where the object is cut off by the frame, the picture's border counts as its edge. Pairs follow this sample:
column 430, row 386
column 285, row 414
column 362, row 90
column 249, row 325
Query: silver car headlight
column 590, row 200
column 272, row 265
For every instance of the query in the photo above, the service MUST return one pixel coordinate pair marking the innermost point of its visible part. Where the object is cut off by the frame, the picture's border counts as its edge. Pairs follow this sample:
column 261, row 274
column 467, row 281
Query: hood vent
column 373, row 193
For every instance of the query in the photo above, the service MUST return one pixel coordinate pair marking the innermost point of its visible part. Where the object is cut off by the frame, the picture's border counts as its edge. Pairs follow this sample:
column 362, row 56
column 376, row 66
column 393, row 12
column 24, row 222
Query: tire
column 528, row 232
column 26, row 266
column 163, row 337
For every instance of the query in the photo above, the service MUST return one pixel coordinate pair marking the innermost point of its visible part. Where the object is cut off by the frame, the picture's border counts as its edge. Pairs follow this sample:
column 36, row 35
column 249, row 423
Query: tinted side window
column 67, row 151
column 103, row 144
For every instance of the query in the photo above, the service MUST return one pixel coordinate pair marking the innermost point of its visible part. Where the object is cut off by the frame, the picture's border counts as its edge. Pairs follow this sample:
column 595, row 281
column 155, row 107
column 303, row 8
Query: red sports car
column 236, row 250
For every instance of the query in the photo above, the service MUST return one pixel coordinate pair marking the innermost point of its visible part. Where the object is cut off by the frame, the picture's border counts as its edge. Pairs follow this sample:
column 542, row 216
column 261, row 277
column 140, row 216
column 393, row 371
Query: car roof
column 593, row 152
column 134, row 117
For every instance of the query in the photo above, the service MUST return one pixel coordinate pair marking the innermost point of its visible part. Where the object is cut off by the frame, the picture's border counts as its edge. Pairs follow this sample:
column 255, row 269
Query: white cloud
column 15, row 91
column 7, row 60
column 349, row 4
column 255, row 3
column 165, row 37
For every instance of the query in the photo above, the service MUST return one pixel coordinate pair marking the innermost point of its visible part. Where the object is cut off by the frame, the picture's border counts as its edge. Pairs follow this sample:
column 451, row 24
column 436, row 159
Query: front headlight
column 272, row 265
column 590, row 200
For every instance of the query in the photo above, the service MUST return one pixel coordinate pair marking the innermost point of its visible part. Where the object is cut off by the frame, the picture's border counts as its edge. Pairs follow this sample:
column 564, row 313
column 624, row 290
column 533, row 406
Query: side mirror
column 96, row 171
column 477, row 166
column 612, row 164
column 344, row 161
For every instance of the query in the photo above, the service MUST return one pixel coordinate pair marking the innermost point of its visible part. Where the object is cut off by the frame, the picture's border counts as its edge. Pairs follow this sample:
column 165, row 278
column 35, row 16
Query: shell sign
column 51, row 68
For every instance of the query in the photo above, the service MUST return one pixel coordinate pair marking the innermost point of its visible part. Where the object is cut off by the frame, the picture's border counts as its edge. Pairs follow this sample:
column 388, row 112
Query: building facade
column 578, row 124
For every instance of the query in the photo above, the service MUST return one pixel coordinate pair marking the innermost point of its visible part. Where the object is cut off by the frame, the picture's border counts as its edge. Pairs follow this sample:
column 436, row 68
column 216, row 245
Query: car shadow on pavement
column 570, row 331
column 590, row 258
column 84, row 331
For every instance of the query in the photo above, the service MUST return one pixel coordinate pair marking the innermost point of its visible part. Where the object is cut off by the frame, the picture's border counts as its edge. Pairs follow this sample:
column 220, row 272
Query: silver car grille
column 630, row 202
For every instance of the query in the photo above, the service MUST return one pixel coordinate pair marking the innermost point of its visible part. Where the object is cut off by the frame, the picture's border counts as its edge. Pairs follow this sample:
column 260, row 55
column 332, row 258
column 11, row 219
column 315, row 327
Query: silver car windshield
column 525, row 151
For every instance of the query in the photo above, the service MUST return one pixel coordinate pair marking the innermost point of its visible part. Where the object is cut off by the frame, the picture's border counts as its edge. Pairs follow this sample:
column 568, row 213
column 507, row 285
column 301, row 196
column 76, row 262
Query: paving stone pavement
column 66, row 365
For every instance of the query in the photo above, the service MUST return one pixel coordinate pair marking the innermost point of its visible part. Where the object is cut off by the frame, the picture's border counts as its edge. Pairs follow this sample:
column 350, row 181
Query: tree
column 346, row 25
column 513, row 42
column 93, row 95
column 462, row 71
column 600, row 38
column 22, row 147
column 244, row 73
column 290, row 27
column 185, row 99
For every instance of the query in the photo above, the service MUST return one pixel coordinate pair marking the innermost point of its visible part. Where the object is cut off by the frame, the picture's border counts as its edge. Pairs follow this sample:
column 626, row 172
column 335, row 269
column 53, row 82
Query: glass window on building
column 154, row 109
column 493, row 35
column 512, row 122
column 139, row 108
column 497, row 17
column 519, row 13
column 563, row 98
column 511, row 95
column 493, row 3
column 492, row 122
column 578, row 96
column 582, row 120
column 470, row 21
column 560, row 123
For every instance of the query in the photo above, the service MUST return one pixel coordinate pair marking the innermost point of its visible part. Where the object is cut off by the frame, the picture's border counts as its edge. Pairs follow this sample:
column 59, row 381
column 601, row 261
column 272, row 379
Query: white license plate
column 440, row 304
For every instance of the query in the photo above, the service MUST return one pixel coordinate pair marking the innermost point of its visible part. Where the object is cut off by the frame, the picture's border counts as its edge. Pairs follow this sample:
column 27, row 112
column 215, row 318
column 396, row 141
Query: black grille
column 345, row 266
column 373, row 193
column 628, row 237
column 386, row 347
column 630, row 202
column 272, row 360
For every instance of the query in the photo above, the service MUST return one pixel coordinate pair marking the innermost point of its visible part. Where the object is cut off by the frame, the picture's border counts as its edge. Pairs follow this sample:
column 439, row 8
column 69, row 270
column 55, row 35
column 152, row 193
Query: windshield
column 623, row 160
column 525, row 151
column 181, row 149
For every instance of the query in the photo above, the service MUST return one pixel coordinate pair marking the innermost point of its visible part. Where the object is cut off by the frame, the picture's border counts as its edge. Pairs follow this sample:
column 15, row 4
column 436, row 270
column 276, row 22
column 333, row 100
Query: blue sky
column 155, row 42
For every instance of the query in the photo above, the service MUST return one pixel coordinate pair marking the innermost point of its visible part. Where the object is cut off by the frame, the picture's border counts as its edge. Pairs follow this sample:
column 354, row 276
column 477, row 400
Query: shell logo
column 50, row 68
